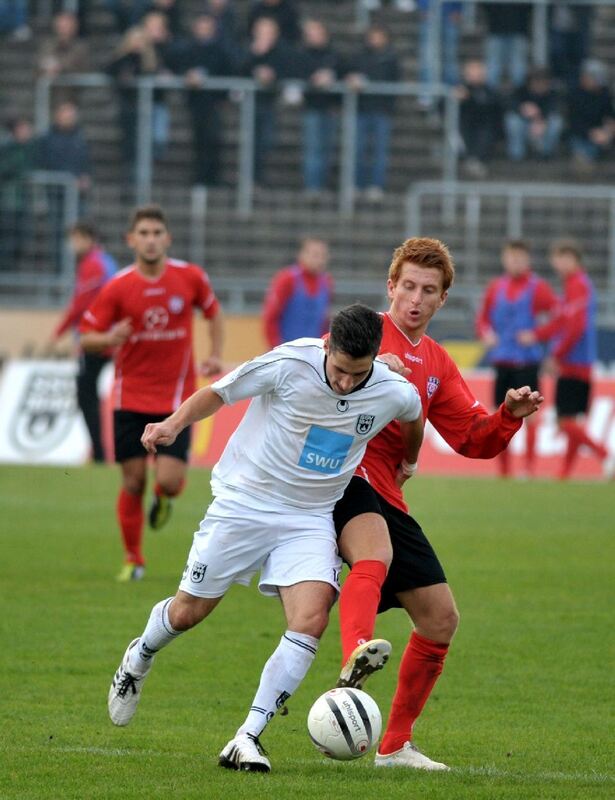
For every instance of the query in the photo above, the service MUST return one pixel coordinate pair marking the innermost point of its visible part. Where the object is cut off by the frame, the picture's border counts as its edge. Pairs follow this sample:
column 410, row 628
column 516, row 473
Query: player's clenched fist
column 158, row 433
column 523, row 402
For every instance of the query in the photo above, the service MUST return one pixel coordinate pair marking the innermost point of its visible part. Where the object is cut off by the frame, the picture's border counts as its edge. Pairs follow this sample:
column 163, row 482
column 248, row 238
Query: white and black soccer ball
column 344, row 724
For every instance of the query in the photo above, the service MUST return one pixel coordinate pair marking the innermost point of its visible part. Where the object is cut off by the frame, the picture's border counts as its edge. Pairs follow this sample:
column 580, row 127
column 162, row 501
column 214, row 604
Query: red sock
column 421, row 664
column 530, row 447
column 158, row 490
column 130, row 517
column 577, row 437
column 359, row 601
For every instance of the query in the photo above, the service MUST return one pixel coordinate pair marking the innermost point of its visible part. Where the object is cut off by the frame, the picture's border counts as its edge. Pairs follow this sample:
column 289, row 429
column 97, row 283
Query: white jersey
column 299, row 441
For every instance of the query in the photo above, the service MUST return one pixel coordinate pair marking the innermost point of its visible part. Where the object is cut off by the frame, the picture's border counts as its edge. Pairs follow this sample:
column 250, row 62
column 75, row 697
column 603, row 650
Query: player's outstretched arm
column 96, row 341
column 213, row 365
column 202, row 404
column 412, row 438
column 523, row 402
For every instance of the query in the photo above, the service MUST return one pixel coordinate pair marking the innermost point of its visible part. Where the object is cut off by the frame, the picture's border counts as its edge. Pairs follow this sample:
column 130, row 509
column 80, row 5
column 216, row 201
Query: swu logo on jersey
column 325, row 450
column 364, row 423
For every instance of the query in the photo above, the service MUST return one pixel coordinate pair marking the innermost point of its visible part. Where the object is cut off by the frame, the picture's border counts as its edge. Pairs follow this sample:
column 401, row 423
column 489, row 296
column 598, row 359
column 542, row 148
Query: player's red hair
column 423, row 252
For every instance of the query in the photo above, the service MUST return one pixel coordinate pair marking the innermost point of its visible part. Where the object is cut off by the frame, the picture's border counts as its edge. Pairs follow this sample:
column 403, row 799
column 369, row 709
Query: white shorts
column 235, row 540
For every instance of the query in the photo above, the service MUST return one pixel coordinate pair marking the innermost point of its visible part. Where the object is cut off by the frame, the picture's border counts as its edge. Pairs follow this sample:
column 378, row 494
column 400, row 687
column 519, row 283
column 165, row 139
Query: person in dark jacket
column 480, row 118
column 507, row 42
column 534, row 119
column 16, row 161
column 227, row 25
column 64, row 149
column 320, row 68
column 377, row 61
column 269, row 59
column 591, row 116
column 202, row 56
column 284, row 12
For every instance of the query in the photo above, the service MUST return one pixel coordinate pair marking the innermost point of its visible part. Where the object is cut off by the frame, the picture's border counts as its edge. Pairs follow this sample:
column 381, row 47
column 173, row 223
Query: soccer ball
column 344, row 724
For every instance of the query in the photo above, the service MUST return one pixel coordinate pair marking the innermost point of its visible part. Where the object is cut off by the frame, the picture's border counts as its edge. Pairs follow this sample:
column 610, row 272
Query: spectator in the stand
column 14, row 19
column 569, row 37
column 16, row 161
column 269, row 59
column 94, row 268
column 64, row 52
column 202, row 56
column 534, row 120
column 155, row 26
column 450, row 23
column 64, row 149
column 507, row 42
column 320, row 67
column 480, row 118
column 127, row 14
column 144, row 50
column 284, row 12
column 376, row 61
column 227, row 25
column 298, row 300
column 591, row 116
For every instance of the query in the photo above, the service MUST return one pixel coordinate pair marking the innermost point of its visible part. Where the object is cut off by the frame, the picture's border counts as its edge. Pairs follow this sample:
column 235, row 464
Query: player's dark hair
column 147, row 212
column 516, row 244
column 85, row 229
column 356, row 331
column 568, row 247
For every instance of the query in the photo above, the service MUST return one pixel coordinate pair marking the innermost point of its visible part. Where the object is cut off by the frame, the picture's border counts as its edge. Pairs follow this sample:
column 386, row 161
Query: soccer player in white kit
column 315, row 406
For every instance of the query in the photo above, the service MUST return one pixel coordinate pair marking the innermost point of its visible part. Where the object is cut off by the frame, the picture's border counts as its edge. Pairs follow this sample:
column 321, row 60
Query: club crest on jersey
column 364, row 423
column 176, row 304
column 432, row 385
column 343, row 405
column 197, row 573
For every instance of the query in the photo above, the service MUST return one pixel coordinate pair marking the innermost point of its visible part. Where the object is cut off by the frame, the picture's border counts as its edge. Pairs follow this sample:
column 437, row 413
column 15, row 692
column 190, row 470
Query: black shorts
column 414, row 564
column 513, row 378
column 571, row 397
column 127, row 431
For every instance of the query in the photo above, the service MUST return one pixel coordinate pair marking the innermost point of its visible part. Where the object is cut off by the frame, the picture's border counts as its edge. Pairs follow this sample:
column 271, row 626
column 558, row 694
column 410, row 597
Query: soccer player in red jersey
column 94, row 268
column 145, row 312
column 392, row 562
column 514, row 302
column 572, row 331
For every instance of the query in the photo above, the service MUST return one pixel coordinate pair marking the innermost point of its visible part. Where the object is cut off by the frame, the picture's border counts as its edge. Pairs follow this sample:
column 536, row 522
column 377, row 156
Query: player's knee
column 171, row 487
column 448, row 623
column 134, row 484
column 183, row 616
column 313, row 623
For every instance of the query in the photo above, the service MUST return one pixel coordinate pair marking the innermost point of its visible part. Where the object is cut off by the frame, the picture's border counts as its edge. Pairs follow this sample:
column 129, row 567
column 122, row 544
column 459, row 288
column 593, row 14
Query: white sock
column 157, row 634
column 282, row 674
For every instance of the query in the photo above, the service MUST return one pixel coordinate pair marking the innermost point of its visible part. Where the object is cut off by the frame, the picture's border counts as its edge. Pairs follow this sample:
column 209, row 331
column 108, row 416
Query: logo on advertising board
column 44, row 413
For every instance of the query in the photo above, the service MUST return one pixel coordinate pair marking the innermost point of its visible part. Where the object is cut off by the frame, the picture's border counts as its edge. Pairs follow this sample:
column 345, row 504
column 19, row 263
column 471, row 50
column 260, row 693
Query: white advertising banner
column 40, row 422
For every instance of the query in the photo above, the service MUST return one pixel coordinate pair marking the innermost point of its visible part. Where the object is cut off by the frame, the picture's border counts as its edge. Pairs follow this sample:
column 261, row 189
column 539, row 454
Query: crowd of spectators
column 534, row 113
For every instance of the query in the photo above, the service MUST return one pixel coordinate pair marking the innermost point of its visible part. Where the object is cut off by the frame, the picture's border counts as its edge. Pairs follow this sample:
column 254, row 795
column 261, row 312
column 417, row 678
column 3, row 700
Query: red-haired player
column 393, row 563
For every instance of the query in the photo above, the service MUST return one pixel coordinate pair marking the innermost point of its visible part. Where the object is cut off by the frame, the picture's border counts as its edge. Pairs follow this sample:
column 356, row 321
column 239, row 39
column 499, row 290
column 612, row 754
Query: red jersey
column 572, row 323
column 447, row 403
column 93, row 271
column 154, row 369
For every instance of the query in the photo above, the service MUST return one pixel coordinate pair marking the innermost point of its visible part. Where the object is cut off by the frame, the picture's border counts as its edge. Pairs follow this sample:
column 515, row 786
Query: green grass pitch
column 524, row 708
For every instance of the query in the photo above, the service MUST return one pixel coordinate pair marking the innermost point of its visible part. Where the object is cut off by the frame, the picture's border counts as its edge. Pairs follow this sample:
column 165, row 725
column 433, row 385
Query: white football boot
column 245, row 753
column 125, row 691
column 409, row 756
column 365, row 659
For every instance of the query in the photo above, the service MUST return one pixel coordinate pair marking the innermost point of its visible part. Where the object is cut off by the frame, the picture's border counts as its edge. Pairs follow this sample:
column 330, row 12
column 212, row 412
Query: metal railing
column 469, row 222
column 50, row 206
column 244, row 90
column 539, row 32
